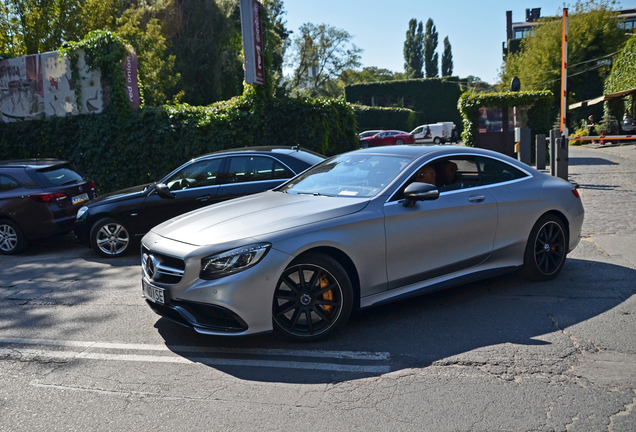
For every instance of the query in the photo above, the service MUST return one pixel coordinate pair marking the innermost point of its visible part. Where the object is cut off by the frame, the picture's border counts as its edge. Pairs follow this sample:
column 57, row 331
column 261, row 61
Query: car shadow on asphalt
column 420, row 331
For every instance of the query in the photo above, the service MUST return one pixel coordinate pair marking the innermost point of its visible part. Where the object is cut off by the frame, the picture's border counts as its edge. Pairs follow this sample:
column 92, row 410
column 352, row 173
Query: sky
column 475, row 29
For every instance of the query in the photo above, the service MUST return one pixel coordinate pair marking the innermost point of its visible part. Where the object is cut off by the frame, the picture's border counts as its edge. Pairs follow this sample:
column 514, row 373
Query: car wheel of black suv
column 12, row 241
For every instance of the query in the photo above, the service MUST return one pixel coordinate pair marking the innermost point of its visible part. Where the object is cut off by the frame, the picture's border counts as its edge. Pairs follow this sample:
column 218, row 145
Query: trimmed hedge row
column 387, row 118
column 119, row 151
column 434, row 98
column 538, row 114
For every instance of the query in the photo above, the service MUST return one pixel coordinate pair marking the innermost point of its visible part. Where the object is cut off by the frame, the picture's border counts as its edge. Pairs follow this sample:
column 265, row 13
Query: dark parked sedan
column 39, row 198
column 112, row 223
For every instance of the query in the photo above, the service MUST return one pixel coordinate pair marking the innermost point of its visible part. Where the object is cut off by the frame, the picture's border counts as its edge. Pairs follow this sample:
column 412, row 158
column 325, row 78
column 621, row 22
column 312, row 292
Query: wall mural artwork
column 41, row 85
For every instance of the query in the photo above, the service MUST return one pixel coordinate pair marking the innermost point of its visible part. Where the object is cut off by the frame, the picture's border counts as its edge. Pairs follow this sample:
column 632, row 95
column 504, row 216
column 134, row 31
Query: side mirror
column 164, row 192
column 417, row 191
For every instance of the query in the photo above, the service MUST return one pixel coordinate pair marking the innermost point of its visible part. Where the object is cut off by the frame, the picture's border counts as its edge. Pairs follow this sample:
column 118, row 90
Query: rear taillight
column 576, row 193
column 93, row 186
column 47, row 197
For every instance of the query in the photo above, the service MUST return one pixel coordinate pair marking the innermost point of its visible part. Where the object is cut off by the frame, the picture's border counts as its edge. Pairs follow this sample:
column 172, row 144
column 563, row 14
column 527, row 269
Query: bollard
column 524, row 152
column 540, row 150
column 562, row 159
column 553, row 137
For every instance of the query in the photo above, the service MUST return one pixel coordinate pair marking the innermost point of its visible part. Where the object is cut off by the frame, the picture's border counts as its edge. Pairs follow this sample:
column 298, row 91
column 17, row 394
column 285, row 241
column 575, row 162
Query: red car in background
column 388, row 137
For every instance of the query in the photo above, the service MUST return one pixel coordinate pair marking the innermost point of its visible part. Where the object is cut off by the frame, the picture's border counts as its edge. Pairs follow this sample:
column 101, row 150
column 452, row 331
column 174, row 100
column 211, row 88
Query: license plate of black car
column 153, row 293
column 79, row 198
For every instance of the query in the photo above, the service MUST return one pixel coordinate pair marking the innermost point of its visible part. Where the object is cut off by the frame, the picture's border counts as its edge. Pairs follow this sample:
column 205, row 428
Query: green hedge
column 387, row 118
column 119, row 151
column 538, row 115
column 434, row 98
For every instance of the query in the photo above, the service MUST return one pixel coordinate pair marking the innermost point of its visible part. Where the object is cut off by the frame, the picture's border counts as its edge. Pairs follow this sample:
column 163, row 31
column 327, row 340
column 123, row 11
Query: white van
column 437, row 133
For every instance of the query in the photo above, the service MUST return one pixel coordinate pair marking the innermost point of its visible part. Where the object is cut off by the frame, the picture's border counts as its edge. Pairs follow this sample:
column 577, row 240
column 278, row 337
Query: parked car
column 358, row 230
column 39, row 198
column 112, row 224
column 369, row 133
column 436, row 133
column 388, row 137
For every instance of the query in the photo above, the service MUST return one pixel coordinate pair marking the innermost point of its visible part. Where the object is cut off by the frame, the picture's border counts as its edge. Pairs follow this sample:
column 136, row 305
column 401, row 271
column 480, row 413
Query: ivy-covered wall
column 434, row 98
column 387, row 118
column 540, row 103
column 621, row 78
column 121, row 150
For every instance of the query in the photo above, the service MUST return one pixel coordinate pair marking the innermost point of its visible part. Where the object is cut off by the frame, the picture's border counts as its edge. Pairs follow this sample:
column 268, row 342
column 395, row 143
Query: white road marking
column 168, row 354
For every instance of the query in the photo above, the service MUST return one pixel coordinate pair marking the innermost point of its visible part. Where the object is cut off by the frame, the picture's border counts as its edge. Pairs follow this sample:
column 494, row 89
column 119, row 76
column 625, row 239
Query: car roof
column 417, row 150
column 263, row 150
column 31, row 163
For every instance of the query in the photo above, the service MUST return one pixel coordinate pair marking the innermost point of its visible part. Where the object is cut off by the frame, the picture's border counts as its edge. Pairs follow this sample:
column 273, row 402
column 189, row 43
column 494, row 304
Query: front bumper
column 203, row 318
column 238, row 304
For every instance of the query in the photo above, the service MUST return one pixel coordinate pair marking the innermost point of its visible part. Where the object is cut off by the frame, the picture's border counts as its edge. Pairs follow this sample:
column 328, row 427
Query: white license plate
column 79, row 198
column 153, row 293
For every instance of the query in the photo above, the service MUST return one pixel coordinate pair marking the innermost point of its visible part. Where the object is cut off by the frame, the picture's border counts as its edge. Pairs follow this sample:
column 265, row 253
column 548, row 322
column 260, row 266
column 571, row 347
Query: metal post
column 540, row 151
column 553, row 137
column 562, row 159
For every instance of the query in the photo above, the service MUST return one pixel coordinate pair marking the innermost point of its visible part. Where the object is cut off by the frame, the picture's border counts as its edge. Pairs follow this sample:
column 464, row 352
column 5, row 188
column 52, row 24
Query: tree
column 431, row 58
column 320, row 54
column 369, row 74
column 414, row 50
column 447, row 59
column 594, row 34
column 143, row 31
column 33, row 26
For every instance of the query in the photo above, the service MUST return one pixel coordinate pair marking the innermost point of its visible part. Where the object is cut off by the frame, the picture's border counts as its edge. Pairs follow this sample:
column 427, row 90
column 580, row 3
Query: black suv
column 116, row 220
column 39, row 198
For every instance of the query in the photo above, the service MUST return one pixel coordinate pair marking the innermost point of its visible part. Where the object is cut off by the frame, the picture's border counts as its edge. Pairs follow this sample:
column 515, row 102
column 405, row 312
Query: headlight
column 233, row 261
column 81, row 212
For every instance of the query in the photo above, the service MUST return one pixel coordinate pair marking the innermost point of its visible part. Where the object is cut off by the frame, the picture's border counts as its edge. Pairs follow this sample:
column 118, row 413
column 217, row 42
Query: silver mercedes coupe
column 358, row 230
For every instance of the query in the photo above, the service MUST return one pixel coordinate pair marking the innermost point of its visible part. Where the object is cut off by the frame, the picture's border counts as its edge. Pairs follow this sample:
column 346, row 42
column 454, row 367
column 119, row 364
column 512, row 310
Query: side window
column 199, row 174
column 456, row 173
column 447, row 174
column 494, row 171
column 255, row 168
column 7, row 184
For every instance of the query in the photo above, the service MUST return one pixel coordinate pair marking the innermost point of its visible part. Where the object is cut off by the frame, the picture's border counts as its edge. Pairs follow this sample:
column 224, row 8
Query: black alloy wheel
column 12, row 241
column 110, row 238
column 313, row 299
column 546, row 250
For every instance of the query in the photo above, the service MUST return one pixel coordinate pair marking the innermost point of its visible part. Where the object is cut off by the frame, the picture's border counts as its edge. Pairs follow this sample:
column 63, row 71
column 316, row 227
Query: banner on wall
column 42, row 85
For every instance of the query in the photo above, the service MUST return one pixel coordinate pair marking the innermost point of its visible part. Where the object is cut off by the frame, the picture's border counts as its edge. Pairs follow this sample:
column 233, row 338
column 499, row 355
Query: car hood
column 255, row 216
column 121, row 195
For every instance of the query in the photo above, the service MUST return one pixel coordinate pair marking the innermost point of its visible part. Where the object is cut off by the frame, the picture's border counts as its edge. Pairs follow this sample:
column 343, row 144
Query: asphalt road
column 80, row 350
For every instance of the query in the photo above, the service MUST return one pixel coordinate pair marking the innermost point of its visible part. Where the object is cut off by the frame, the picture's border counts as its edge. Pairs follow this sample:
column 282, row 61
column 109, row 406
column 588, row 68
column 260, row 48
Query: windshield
column 349, row 175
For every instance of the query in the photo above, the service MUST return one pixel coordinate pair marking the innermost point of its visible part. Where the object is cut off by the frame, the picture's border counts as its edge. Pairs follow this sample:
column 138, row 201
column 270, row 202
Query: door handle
column 476, row 198
column 204, row 198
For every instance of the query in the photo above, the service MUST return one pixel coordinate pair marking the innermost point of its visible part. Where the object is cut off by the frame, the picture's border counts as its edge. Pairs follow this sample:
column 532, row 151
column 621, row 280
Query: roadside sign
column 252, row 31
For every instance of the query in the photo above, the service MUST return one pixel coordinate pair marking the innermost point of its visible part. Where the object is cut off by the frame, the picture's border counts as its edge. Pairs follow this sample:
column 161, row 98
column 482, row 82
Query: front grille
column 161, row 268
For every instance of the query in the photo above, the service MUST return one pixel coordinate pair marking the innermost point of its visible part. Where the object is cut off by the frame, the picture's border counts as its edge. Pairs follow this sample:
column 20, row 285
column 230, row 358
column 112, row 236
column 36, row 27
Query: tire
column 437, row 140
column 12, row 241
column 110, row 238
column 364, row 144
column 399, row 142
column 546, row 249
column 313, row 299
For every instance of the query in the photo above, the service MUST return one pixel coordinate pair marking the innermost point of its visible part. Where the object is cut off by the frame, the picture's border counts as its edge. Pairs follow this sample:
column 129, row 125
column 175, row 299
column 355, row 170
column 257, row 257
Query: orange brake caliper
column 328, row 296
